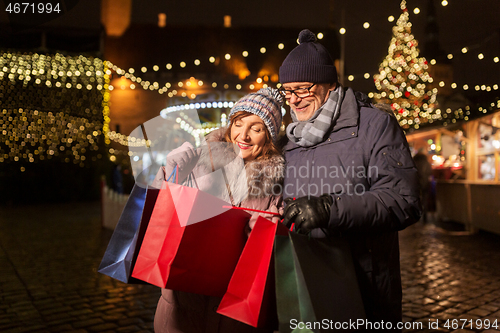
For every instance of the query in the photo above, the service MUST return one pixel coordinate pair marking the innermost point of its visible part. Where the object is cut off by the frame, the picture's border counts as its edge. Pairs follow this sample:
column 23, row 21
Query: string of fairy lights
column 245, row 53
column 197, row 61
column 173, row 89
column 459, row 114
column 426, row 111
column 106, row 96
column 50, row 107
column 192, row 82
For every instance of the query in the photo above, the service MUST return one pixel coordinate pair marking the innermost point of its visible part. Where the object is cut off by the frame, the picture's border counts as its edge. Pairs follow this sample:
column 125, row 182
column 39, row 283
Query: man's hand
column 308, row 212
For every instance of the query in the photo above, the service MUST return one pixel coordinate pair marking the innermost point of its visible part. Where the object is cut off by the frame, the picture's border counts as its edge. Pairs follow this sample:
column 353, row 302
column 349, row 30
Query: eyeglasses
column 300, row 93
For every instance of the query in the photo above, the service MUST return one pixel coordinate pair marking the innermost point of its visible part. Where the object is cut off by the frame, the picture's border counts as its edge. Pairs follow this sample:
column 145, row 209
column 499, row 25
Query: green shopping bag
column 316, row 284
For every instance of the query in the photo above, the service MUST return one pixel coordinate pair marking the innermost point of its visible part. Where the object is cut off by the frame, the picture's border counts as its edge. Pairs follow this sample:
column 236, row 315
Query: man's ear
column 333, row 86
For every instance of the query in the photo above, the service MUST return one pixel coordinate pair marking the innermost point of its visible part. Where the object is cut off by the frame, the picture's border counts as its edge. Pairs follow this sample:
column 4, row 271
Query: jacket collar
column 349, row 112
column 349, row 117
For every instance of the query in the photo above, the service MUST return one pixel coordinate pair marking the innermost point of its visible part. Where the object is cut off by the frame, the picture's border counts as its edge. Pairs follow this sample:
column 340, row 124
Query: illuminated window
column 227, row 21
column 162, row 20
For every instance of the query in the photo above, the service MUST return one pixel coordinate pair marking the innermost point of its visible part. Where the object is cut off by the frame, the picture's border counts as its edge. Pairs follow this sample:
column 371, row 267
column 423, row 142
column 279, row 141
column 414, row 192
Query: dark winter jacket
column 180, row 312
column 366, row 165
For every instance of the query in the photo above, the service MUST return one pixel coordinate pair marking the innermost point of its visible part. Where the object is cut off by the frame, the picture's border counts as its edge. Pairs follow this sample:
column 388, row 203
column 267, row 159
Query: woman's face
column 249, row 133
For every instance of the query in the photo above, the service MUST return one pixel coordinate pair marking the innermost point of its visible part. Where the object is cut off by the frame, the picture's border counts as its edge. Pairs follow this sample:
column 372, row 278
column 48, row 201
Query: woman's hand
column 185, row 157
column 271, row 217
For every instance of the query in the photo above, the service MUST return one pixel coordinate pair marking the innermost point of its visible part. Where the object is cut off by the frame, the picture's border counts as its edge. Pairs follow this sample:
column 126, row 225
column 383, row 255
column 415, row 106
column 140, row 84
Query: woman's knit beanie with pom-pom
column 265, row 103
column 308, row 62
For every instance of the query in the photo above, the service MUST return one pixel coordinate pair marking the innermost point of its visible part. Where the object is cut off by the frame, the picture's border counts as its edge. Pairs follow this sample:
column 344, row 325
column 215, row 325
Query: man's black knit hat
column 308, row 62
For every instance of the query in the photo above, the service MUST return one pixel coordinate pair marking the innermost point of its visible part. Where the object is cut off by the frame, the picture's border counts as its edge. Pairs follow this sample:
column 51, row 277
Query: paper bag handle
column 253, row 210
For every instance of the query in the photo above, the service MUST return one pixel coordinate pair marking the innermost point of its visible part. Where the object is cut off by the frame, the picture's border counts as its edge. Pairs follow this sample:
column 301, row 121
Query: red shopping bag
column 250, row 296
column 192, row 243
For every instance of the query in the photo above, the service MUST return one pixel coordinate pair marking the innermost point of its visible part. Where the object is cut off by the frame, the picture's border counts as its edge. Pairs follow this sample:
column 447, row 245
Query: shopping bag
column 192, row 243
column 123, row 247
column 250, row 296
column 315, row 280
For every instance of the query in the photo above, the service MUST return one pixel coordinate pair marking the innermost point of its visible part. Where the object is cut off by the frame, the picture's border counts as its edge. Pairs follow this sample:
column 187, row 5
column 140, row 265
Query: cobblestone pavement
column 49, row 282
column 450, row 280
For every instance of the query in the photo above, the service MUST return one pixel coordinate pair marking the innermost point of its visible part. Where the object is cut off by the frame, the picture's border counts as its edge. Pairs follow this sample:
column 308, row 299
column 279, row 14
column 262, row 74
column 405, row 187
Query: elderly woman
column 252, row 133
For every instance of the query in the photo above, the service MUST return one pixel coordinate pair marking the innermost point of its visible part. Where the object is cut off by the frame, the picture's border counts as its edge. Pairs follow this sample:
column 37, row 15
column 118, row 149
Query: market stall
column 465, row 160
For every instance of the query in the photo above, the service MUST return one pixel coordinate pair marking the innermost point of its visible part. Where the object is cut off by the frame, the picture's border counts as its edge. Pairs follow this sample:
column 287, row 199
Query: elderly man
column 361, row 182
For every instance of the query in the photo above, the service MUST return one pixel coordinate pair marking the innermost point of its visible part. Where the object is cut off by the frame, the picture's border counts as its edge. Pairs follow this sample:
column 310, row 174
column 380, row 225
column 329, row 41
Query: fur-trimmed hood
column 264, row 176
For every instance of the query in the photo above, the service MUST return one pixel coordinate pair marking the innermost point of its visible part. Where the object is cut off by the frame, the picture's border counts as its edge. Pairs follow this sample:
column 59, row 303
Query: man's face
column 305, row 107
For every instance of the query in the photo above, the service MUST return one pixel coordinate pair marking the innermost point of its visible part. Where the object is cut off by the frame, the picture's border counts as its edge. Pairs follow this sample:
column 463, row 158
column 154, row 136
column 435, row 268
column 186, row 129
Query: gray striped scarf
column 310, row 132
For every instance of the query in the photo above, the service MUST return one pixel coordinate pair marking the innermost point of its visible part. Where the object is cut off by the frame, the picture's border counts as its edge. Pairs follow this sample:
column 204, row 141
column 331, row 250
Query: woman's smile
column 244, row 145
column 249, row 134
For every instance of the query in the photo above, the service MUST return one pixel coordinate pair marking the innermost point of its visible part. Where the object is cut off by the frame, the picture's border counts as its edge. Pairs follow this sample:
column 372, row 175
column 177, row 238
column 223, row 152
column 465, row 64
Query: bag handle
column 173, row 175
column 191, row 179
column 253, row 210
column 223, row 175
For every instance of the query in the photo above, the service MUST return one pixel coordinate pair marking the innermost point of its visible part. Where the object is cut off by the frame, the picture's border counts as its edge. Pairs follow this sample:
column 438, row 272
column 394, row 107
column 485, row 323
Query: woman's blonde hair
column 269, row 148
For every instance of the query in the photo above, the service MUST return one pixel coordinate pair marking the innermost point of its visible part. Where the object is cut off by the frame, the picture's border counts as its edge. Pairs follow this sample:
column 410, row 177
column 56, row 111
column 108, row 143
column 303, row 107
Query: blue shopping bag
column 121, row 254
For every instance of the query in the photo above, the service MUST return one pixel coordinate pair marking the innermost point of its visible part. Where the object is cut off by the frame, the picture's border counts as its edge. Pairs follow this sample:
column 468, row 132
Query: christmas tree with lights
column 403, row 79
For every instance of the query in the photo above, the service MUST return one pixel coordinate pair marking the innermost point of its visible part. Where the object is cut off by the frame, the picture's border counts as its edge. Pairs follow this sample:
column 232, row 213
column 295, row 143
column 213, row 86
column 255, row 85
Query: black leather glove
column 308, row 212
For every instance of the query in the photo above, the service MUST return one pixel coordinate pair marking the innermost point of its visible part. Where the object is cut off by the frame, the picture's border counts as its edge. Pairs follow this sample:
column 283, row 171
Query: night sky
column 462, row 23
